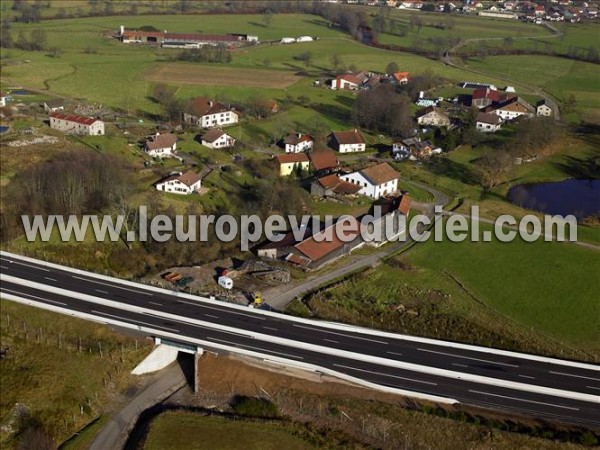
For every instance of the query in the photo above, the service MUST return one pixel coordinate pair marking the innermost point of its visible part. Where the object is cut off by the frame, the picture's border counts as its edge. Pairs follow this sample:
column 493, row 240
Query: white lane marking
column 573, row 375
column 155, row 303
column 30, row 265
column 116, row 286
column 466, row 357
column 523, row 409
column 134, row 321
column 593, row 387
column 524, row 400
column 210, row 315
column 349, row 335
column 3, row 268
column 395, row 353
column 386, row 374
column 270, row 328
column 331, row 340
column 194, row 325
column 50, row 279
column 235, row 344
column 459, row 365
column 34, row 297
column 101, row 291
column 222, row 310
column 527, row 376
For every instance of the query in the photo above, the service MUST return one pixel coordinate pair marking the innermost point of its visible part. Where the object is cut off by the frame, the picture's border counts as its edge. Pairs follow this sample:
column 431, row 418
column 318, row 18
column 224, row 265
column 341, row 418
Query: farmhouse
column 375, row 181
column 297, row 142
column 180, row 183
column 161, row 145
column 483, row 97
column 290, row 162
column 206, row 113
column 488, row 123
column 54, row 105
column 324, row 161
column 433, row 116
column 348, row 82
column 545, row 108
column 182, row 40
column 348, row 141
column 513, row 108
column 73, row 124
column 217, row 138
column 332, row 186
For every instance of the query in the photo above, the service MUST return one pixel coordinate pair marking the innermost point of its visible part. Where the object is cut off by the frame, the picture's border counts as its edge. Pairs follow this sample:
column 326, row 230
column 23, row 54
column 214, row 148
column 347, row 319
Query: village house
column 513, row 108
column 545, row 107
column 297, row 143
column 348, row 141
column 433, row 116
column 349, row 81
column 180, row 183
column 291, row 162
column 206, row 113
column 217, row 138
column 54, row 105
column 161, row 145
column 488, row 123
column 332, row 186
column 400, row 77
column 324, row 161
column 420, row 150
column 375, row 181
column 69, row 123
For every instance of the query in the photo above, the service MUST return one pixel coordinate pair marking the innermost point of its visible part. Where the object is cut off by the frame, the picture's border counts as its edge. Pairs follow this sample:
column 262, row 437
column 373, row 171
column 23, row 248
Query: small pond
column 578, row 197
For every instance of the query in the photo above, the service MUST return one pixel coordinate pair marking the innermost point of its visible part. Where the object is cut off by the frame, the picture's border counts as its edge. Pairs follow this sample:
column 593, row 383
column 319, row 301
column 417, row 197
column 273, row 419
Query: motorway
column 509, row 382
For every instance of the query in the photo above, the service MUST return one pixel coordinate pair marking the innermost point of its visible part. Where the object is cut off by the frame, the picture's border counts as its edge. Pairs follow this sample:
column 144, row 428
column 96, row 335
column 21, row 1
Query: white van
column 225, row 282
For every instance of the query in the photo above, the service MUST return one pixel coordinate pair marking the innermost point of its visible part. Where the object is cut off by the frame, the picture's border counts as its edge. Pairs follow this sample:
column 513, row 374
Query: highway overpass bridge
column 439, row 371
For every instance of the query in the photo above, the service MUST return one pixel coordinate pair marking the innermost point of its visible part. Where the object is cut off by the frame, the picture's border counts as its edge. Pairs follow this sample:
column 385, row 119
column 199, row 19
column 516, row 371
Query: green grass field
column 188, row 431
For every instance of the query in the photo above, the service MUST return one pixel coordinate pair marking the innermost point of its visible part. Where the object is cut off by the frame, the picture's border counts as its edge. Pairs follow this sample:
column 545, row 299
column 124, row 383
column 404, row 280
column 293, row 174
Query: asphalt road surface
column 511, row 383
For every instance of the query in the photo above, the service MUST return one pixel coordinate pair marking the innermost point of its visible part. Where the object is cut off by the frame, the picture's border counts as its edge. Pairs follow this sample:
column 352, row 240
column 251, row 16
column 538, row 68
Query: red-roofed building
column 401, row 77
column 290, row 162
column 72, row 124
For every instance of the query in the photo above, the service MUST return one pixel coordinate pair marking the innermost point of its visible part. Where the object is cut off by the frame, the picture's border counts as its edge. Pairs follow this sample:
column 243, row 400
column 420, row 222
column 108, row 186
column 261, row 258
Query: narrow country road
column 116, row 431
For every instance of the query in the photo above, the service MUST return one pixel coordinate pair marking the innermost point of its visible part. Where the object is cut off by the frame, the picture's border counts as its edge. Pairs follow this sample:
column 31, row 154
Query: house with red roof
column 401, row 77
column 217, row 138
column 291, row 162
column 73, row 124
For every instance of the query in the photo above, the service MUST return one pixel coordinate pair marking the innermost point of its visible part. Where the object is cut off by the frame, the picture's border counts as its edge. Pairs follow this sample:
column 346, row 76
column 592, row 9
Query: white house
column 433, row 116
column 488, row 123
column 208, row 113
column 375, row 181
column 73, row 124
column 544, row 108
column 348, row 141
column 217, row 138
column 346, row 82
column 297, row 142
column 180, row 183
column 161, row 145
column 513, row 108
